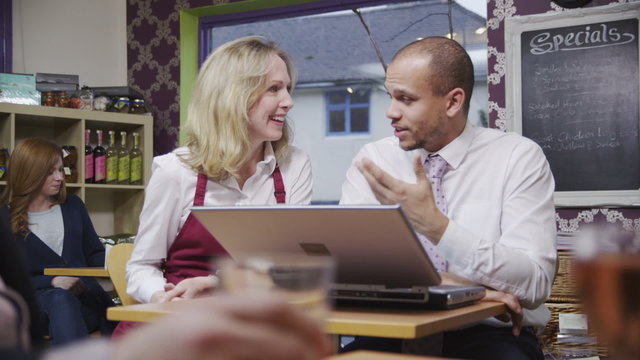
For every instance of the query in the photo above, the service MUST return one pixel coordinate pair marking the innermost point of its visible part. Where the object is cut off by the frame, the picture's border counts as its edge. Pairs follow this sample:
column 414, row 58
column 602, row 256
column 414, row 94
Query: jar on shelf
column 62, row 99
column 49, row 99
column 121, row 104
column 138, row 107
column 86, row 98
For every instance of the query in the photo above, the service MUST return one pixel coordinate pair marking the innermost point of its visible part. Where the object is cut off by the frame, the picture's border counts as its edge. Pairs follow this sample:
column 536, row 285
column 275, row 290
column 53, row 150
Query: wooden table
column 393, row 323
column 83, row 271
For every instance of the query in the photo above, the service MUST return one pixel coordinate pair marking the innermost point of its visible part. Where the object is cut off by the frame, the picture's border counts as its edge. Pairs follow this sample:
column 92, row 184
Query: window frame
column 196, row 22
column 346, row 107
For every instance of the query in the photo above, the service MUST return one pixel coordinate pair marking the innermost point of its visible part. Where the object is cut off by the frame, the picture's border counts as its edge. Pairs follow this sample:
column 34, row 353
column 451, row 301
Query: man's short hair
column 450, row 66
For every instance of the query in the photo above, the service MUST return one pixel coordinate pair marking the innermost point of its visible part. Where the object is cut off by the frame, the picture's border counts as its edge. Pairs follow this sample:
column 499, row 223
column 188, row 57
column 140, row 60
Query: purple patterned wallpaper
column 153, row 34
column 154, row 70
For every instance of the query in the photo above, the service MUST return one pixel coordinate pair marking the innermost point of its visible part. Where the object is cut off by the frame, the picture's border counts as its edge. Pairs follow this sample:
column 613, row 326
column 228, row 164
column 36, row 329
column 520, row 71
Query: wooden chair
column 116, row 265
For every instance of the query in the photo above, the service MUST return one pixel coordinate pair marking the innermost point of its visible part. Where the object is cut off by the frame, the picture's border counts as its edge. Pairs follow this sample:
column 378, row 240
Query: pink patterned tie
column 435, row 167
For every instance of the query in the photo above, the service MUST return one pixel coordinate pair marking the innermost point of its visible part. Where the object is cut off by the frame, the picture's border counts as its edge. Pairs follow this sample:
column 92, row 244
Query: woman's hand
column 187, row 289
column 71, row 283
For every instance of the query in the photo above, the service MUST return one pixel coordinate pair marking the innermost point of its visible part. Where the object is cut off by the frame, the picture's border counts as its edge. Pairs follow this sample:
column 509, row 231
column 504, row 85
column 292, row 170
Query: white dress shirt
column 499, row 193
column 169, row 197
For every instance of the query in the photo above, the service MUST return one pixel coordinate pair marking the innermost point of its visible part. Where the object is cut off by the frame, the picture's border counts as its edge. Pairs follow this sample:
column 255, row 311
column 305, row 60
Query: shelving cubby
column 113, row 208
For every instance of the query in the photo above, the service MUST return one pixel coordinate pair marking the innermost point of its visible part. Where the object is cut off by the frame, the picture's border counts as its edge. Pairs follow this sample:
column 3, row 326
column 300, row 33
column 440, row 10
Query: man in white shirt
column 492, row 219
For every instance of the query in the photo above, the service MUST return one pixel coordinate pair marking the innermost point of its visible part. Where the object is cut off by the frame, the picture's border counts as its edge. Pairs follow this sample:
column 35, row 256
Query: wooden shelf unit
column 114, row 209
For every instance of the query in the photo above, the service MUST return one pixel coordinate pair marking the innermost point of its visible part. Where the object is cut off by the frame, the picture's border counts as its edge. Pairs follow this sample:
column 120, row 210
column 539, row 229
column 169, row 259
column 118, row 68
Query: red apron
column 190, row 254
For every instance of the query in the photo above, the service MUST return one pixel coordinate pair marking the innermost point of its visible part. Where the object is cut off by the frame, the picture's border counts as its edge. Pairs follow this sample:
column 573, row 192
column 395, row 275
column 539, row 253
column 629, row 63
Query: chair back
column 116, row 265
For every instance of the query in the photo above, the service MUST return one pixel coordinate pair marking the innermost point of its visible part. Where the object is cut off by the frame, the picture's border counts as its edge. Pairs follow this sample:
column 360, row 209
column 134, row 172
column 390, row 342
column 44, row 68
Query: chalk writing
column 581, row 106
column 585, row 38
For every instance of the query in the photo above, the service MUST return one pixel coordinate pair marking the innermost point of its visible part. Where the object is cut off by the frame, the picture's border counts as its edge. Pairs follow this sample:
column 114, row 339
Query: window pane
column 336, row 121
column 337, row 97
column 360, row 96
column 360, row 120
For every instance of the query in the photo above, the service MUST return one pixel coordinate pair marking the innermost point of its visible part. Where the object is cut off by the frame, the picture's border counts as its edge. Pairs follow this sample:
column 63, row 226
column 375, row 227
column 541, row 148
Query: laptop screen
column 372, row 245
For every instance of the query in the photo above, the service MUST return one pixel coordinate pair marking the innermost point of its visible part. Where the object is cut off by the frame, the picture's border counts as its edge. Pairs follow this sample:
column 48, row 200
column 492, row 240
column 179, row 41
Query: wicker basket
column 564, row 285
column 549, row 336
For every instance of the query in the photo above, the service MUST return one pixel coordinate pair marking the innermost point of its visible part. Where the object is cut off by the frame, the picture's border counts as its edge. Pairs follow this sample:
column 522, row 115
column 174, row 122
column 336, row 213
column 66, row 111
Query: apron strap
column 278, row 184
column 201, row 189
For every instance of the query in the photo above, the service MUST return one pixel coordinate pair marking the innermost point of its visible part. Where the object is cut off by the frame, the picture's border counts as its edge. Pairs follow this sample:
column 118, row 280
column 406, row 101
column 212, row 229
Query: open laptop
column 379, row 257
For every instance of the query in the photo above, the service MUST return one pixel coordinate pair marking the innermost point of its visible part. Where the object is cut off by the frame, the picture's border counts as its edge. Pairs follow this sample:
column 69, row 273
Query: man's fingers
column 418, row 168
column 373, row 175
column 515, row 310
column 378, row 174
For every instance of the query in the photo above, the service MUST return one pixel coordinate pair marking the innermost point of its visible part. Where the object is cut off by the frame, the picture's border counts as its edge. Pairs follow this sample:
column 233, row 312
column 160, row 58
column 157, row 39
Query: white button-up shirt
column 499, row 192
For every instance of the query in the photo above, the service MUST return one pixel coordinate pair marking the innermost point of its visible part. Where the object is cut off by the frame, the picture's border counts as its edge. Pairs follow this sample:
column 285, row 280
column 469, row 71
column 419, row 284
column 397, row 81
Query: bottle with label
column 112, row 159
column 124, row 160
column 88, row 158
column 69, row 160
column 99, row 161
column 136, row 161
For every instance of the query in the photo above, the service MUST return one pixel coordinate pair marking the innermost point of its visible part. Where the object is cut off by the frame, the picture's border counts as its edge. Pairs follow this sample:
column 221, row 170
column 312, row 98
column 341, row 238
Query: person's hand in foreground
column 228, row 327
column 515, row 314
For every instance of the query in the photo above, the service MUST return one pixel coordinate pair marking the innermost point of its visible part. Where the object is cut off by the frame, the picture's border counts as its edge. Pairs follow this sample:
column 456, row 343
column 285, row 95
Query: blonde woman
column 237, row 152
column 53, row 229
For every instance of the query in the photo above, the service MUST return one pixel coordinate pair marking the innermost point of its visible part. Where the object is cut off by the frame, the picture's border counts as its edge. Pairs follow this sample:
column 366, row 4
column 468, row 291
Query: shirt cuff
column 150, row 287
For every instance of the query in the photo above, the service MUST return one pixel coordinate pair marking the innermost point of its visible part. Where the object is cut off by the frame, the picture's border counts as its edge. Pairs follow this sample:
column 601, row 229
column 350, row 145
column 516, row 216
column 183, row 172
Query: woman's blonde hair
column 230, row 81
column 29, row 166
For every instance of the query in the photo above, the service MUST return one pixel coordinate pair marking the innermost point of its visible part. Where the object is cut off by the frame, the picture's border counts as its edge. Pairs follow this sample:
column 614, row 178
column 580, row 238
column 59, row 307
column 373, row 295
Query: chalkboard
column 578, row 97
column 580, row 103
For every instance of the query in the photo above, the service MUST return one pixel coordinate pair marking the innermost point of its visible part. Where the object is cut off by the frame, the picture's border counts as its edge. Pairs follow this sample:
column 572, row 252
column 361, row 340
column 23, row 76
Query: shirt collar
column 266, row 165
column 269, row 157
column 454, row 151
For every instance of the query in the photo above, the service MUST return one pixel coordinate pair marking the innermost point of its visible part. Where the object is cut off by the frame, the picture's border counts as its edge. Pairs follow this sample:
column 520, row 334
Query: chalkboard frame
column 514, row 27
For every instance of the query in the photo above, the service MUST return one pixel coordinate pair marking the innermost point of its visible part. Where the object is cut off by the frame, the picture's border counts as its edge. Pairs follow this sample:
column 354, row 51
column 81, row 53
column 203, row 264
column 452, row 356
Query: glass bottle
column 69, row 160
column 99, row 161
column 112, row 159
column 123, row 160
column 136, row 161
column 88, row 158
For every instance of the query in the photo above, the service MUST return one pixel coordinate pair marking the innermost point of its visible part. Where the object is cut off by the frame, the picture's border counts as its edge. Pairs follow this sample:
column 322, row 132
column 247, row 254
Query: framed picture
column 573, row 87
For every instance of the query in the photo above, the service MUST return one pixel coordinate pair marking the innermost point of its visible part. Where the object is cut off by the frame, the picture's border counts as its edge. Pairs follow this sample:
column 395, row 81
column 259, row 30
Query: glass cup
column 608, row 283
column 301, row 280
